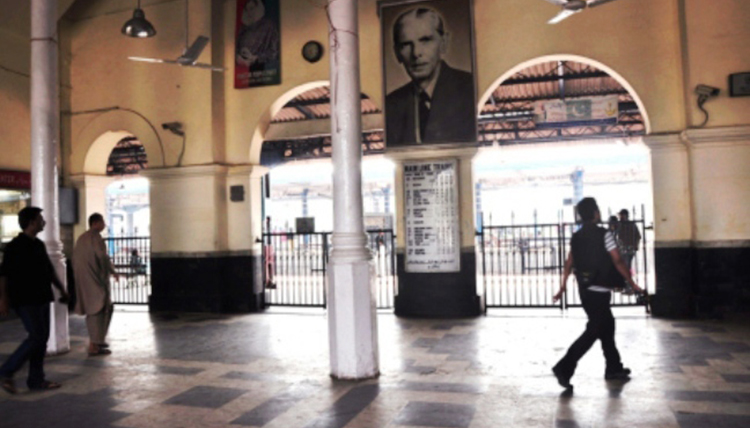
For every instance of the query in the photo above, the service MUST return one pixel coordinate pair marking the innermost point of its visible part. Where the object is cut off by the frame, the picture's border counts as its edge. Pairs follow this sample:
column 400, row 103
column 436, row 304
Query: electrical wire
column 701, row 100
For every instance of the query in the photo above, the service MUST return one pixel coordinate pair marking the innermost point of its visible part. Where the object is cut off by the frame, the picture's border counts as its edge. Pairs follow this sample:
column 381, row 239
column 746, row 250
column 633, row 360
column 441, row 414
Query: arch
column 256, row 142
column 567, row 57
column 93, row 144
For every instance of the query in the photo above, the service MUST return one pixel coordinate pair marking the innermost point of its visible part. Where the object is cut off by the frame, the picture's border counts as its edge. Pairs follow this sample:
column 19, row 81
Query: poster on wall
column 432, row 216
column 586, row 111
column 428, row 72
column 257, row 60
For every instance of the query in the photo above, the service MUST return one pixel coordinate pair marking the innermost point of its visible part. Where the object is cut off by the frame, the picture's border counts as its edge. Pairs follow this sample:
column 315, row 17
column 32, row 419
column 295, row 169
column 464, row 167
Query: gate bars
column 295, row 267
column 132, row 259
column 521, row 265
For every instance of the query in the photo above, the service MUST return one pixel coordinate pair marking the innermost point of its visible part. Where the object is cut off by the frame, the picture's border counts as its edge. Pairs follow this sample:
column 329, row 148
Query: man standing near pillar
column 92, row 268
column 25, row 278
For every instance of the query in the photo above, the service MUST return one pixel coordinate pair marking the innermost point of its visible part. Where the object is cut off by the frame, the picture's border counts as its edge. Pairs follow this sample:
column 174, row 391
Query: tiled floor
column 271, row 370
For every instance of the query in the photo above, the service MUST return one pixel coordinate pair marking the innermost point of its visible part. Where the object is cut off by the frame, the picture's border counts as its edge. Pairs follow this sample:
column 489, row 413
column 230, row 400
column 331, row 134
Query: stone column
column 45, row 138
column 671, row 179
column 352, row 322
column 438, row 294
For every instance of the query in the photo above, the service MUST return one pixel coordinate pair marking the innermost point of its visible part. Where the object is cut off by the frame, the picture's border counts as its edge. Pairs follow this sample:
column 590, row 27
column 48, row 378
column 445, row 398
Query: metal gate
column 521, row 265
column 132, row 260
column 295, row 267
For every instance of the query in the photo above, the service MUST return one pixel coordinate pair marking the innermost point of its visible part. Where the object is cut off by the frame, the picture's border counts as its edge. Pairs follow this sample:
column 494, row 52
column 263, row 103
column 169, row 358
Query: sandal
column 8, row 385
column 45, row 386
column 99, row 352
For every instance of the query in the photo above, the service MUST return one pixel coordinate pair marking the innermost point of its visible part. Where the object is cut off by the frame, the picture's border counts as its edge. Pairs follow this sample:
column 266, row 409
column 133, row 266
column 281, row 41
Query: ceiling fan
column 571, row 7
column 189, row 57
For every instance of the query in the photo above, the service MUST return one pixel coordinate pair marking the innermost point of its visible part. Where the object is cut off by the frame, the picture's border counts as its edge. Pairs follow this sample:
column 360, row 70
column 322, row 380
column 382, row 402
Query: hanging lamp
column 138, row 26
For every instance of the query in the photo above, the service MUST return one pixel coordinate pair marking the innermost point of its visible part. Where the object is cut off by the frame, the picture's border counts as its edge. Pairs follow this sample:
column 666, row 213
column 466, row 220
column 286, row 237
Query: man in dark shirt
column 438, row 105
column 596, row 260
column 25, row 278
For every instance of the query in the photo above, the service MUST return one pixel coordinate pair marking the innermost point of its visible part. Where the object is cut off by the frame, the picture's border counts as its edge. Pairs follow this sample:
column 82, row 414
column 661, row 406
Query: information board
column 432, row 216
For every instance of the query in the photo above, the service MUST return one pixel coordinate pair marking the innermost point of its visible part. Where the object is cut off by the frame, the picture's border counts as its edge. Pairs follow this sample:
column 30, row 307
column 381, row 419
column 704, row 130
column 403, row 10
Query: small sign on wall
column 305, row 224
column 432, row 216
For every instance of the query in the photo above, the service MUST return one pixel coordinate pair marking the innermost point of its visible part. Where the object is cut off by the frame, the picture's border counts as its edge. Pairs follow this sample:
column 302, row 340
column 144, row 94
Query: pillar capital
column 714, row 137
column 425, row 152
column 664, row 142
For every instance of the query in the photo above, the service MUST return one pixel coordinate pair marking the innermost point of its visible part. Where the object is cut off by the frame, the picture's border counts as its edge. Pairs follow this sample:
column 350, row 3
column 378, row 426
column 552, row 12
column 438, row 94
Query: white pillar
column 352, row 323
column 45, row 138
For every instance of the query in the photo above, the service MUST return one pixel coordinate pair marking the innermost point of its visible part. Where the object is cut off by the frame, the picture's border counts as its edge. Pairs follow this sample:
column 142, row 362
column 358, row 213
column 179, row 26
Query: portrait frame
column 400, row 121
column 257, row 41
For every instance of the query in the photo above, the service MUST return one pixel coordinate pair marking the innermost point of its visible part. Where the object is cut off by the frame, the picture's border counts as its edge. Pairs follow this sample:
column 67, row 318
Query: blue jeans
column 35, row 319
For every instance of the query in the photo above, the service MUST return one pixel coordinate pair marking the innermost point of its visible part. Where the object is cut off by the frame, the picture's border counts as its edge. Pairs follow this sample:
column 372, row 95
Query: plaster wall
column 717, row 34
column 722, row 185
column 639, row 39
column 189, row 210
column 15, row 132
column 671, row 189
column 102, row 78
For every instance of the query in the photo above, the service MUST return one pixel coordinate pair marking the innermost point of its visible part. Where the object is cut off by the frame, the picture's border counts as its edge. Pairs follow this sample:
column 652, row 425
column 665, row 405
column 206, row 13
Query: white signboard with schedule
column 432, row 216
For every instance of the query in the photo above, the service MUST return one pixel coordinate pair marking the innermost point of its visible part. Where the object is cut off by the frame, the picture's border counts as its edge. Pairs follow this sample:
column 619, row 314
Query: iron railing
column 521, row 265
column 295, row 267
column 132, row 259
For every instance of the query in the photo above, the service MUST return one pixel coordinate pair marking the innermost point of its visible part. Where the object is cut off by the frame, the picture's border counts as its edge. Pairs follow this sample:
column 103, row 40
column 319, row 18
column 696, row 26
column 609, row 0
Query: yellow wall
column 640, row 40
column 15, row 134
column 718, row 44
column 103, row 77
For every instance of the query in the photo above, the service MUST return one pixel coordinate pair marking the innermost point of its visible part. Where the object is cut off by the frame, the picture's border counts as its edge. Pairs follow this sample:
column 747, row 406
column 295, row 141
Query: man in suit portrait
column 437, row 105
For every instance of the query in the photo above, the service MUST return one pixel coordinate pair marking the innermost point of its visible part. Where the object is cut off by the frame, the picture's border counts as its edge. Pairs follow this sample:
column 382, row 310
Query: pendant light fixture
column 138, row 26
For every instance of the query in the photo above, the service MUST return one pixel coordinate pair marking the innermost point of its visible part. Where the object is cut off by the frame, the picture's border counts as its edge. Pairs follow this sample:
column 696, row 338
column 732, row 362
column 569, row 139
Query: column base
column 439, row 295
column 210, row 283
column 706, row 282
column 352, row 320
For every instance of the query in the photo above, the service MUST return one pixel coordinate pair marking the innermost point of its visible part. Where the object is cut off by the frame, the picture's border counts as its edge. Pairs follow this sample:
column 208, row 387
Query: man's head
column 419, row 40
column 624, row 215
column 588, row 210
column 96, row 222
column 31, row 220
column 254, row 10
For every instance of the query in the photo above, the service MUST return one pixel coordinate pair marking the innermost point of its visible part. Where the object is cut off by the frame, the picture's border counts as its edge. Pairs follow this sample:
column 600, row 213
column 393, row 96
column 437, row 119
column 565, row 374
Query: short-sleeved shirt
column 609, row 244
column 28, row 271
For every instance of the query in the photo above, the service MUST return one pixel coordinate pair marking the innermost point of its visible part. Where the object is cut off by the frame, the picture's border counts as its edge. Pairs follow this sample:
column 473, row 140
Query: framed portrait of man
column 257, row 59
column 428, row 72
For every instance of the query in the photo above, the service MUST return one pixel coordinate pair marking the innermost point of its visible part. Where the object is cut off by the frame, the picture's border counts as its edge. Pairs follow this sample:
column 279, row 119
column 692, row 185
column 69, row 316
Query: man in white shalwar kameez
column 92, row 268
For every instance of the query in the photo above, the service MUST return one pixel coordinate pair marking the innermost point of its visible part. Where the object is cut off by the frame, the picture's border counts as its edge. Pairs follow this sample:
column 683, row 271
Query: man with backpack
column 596, row 261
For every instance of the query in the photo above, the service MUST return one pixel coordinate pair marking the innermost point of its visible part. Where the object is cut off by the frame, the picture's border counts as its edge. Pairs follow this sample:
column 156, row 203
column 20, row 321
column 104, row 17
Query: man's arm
column 4, row 300
column 623, row 269
column 102, row 250
column 567, row 269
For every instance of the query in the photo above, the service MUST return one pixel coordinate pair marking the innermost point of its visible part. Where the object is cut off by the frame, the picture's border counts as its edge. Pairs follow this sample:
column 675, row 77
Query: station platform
column 271, row 370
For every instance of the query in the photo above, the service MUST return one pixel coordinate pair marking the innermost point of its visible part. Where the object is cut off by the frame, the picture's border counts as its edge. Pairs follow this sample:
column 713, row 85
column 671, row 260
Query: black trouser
column 601, row 326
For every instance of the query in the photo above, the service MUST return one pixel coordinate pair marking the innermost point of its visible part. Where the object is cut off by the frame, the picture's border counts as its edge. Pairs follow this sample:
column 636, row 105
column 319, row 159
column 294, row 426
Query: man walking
column 595, row 259
column 25, row 278
column 92, row 268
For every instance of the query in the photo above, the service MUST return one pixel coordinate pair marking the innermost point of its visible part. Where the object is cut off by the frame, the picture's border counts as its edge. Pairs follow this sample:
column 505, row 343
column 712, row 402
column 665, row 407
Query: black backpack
column 592, row 263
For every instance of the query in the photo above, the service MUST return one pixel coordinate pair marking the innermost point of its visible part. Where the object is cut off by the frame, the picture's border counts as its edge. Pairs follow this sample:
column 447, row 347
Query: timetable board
column 432, row 216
